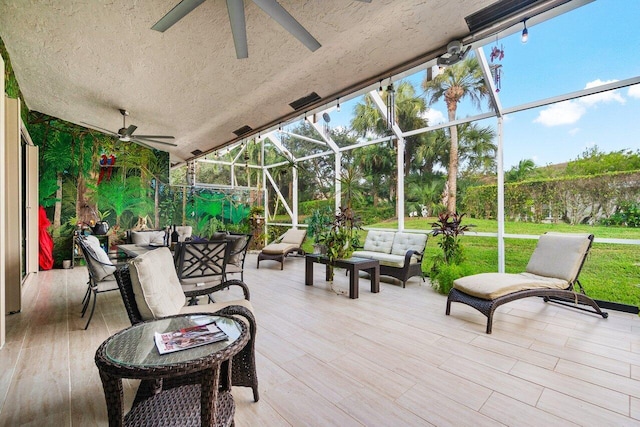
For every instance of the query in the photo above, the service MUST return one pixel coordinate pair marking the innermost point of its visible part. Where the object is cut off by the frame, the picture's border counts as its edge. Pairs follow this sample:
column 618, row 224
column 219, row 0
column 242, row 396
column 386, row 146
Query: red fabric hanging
column 46, row 242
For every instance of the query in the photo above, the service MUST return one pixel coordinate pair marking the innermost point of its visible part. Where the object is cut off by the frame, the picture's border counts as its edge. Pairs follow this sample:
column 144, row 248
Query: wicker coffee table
column 354, row 265
column 188, row 387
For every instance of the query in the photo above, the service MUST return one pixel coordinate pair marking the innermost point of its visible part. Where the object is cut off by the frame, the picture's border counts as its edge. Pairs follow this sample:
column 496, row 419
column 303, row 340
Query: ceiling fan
column 235, row 8
column 125, row 133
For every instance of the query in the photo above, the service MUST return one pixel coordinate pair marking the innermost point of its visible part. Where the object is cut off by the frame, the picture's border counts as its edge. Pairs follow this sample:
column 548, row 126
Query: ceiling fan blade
column 94, row 127
column 288, row 22
column 138, row 139
column 155, row 136
column 238, row 27
column 143, row 144
column 181, row 10
column 130, row 130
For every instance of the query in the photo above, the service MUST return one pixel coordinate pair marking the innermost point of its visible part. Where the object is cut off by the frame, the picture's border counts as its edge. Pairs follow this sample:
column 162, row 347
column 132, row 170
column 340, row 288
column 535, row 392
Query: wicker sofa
column 400, row 254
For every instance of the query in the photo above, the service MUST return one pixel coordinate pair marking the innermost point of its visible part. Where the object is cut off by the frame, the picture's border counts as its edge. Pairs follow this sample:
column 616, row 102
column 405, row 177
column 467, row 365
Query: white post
column 338, row 186
column 294, row 202
column 500, row 213
column 400, row 189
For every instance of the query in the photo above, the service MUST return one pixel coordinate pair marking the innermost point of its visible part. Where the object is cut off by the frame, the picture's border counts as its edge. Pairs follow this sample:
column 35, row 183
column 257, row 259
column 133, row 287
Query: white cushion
column 184, row 232
column 490, row 286
column 100, row 271
column 146, row 238
column 379, row 241
column 156, row 286
column 294, row 236
column 403, row 242
column 559, row 255
column 385, row 259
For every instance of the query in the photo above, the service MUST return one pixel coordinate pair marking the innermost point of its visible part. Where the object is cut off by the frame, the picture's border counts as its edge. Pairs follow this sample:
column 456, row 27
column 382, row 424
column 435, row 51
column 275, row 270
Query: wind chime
column 497, row 53
column 391, row 105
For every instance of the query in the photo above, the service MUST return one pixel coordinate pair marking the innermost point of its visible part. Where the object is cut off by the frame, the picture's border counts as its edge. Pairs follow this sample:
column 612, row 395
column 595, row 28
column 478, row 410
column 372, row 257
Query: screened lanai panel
column 584, row 48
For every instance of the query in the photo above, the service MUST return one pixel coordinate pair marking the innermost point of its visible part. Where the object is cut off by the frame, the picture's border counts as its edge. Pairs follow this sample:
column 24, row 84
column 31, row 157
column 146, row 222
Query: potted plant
column 342, row 238
column 447, row 265
column 319, row 224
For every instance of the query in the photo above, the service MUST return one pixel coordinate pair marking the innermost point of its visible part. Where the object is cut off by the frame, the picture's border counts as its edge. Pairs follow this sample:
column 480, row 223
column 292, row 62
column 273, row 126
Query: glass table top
column 136, row 346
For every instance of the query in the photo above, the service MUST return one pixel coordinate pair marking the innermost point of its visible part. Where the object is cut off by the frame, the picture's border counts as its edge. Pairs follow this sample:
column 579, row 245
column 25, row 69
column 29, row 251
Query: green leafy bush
column 626, row 215
column 442, row 278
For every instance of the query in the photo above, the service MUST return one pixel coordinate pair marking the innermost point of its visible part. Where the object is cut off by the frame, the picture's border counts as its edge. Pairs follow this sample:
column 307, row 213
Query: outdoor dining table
column 133, row 250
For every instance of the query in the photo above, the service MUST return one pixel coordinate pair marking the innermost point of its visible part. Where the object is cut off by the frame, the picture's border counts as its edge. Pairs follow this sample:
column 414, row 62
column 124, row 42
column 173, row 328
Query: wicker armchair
column 243, row 366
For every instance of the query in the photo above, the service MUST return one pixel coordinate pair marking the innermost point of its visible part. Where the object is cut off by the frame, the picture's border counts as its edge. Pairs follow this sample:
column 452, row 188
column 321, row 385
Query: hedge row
column 574, row 200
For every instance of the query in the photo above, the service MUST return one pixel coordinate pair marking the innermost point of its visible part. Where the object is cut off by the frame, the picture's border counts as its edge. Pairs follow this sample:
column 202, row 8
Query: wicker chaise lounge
column 552, row 273
column 289, row 242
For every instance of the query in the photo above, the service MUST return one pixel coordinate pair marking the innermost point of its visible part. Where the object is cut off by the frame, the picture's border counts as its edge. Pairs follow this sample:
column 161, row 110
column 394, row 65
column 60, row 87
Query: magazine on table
column 190, row 337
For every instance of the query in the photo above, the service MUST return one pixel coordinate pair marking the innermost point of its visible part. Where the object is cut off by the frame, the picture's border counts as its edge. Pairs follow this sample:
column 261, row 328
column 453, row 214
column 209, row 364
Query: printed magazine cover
column 190, row 337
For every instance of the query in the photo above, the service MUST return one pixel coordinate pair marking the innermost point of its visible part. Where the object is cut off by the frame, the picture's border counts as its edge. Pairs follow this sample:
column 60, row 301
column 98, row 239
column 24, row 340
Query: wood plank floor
column 386, row 359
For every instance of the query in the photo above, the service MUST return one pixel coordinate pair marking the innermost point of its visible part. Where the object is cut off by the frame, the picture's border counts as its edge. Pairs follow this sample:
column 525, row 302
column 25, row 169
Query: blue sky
column 592, row 45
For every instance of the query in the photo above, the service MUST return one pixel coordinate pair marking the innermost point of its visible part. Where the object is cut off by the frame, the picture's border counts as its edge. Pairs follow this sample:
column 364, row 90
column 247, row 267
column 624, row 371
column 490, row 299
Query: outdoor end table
column 201, row 375
column 353, row 265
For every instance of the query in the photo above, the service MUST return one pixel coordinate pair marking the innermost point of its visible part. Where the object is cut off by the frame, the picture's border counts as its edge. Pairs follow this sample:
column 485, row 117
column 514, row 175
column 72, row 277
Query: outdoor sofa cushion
column 146, row 238
column 403, row 242
column 184, row 232
column 379, row 241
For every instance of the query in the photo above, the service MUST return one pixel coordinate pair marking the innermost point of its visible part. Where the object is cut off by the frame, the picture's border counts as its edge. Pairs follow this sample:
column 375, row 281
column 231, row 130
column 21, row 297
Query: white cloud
column 569, row 112
column 574, row 131
column 634, row 91
column 610, row 96
column 434, row 117
column 563, row 113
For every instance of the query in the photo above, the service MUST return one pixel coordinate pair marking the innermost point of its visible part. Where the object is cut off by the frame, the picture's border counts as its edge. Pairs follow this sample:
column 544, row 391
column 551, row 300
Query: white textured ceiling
column 81, row 60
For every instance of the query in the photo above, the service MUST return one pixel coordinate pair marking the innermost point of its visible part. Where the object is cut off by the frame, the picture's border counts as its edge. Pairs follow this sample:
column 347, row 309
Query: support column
column 500, row 213
column 400, row 189
column 338, row 186
column 294, row 202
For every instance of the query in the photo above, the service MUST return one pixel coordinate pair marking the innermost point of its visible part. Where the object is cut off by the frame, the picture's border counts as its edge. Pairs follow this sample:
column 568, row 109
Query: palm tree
column 463, row 80
column 520, row 172
column 477, row 148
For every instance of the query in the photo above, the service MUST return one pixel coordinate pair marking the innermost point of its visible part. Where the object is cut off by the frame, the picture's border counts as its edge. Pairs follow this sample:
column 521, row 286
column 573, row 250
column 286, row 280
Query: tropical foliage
column 463, row 80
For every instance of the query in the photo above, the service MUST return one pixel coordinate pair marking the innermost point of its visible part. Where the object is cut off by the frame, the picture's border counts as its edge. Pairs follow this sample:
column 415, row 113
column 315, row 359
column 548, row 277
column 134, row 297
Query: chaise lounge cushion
column 490, row 286
column 291, row 240
column 558, row 255
column 156, row 286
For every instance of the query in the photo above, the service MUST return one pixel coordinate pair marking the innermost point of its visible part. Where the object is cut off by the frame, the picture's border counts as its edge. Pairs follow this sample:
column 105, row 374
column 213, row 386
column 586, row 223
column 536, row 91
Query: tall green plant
column 449, row 226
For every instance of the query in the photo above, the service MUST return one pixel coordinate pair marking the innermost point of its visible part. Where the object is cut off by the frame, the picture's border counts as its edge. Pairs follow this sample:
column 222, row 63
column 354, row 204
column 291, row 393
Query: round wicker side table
column 200, row 392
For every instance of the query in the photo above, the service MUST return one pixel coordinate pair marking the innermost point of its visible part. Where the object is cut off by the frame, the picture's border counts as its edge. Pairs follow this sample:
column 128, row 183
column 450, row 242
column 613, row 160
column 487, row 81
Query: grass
column 611, row 272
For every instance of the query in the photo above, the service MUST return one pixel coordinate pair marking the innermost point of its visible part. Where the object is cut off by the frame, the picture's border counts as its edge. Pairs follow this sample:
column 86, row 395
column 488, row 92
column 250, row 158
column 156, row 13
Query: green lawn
column 611, row 272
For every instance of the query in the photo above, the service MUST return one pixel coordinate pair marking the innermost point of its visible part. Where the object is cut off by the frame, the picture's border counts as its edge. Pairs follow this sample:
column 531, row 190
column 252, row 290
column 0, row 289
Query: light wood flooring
column 387, row 359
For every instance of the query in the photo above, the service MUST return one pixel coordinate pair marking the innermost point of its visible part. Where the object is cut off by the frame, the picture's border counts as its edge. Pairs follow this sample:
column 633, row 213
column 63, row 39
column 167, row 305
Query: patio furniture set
column 196, row 383
column 192, row 386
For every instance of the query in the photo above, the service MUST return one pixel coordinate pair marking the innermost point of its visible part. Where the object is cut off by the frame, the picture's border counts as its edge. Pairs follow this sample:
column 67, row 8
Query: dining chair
column 101, row 269
column 200, row 266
